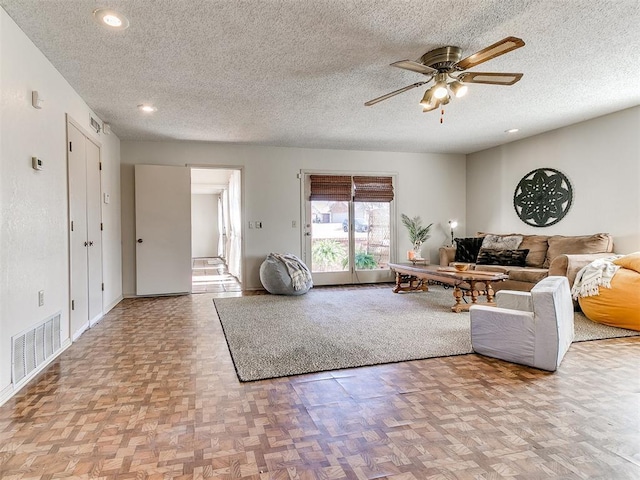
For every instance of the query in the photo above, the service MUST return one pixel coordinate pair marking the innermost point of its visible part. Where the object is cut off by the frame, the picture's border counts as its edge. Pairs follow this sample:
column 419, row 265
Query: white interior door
column 94, row 231
column 85, row 233
column 163, row 229
column 78, row 229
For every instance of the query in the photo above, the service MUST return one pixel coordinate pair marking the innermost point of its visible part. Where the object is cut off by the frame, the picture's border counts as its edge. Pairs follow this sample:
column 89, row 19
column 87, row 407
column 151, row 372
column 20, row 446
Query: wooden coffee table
column 411, row 277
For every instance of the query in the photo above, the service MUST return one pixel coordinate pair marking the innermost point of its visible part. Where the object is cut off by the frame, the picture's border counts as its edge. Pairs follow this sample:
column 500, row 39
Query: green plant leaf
column 417, row 233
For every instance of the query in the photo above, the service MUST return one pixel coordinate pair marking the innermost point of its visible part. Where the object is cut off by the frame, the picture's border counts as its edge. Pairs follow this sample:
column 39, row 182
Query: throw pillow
column 502, row 242
column 510, row 258
column 631, row 261
column 467, row 249
column 558, row 245
column 537, row 245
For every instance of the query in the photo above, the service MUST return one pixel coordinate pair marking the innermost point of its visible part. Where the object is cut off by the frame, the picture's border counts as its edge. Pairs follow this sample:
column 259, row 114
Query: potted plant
column 417, row 233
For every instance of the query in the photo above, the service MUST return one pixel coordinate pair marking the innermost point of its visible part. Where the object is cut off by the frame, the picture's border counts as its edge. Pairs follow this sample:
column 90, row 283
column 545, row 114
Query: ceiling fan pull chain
column 441, row 115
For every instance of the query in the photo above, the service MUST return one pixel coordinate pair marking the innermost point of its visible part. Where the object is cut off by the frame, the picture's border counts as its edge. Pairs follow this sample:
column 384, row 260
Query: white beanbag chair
column 285, row 275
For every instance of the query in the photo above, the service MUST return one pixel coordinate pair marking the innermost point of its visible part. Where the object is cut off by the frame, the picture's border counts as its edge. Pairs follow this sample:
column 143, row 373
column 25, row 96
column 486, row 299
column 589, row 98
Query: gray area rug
column 274, row 336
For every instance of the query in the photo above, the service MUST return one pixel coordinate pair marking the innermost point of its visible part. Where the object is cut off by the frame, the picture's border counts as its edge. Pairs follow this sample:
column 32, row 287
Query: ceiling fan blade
column 492, row 51
column 415, row 67
column 393, row 94
column 490, row 78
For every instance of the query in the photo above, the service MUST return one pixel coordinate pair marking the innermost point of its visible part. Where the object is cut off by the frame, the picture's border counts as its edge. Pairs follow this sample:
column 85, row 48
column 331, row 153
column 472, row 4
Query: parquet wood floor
column 151, row 393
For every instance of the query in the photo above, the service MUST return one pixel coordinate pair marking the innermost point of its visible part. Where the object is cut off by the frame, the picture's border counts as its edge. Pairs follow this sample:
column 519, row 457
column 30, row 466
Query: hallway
column 211, row 275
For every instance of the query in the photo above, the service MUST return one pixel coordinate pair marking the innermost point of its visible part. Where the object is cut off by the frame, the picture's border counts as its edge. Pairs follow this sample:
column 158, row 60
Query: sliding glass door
column 348, row 228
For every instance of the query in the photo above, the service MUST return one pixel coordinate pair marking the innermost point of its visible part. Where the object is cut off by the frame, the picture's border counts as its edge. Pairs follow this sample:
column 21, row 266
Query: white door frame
column 240, row 168
column 305, row 231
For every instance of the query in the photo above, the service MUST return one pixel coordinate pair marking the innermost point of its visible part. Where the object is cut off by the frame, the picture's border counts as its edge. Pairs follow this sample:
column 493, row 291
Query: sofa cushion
column 467, row 249
column 537, row 246
column 488, row 256
column 558, row 245
column 493, row 268
column 502, row 242
column 528, row 274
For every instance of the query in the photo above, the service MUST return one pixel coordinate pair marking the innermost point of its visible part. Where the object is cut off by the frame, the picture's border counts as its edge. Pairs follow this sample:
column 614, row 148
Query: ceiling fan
column 445, row 67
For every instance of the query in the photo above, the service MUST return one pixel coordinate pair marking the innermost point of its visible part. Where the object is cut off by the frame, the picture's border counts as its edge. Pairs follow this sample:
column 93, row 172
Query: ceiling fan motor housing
column 442, row 59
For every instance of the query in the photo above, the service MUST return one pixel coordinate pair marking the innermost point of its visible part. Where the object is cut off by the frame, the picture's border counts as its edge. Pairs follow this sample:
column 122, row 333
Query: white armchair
column 530, row 328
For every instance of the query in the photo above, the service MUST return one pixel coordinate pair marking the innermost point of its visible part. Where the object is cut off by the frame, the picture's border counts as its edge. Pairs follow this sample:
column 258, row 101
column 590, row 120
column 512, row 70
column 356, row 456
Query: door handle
column 86, row 244
column 91, row 243
column 139, row 240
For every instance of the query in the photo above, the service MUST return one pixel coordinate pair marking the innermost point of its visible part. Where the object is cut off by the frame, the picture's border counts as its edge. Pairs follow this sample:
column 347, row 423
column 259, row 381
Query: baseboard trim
column 95, row 320
column 178, row 294
column 10, row 390
column 6, row 394
column 79, row 332
column 113, row 304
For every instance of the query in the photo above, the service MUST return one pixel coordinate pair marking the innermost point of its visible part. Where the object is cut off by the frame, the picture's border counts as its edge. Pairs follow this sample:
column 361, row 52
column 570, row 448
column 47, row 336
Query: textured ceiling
column 297, row 72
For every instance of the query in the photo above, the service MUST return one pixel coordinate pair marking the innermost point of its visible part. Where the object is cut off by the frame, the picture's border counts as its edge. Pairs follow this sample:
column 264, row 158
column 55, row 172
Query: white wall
column 33, row 236
column 429, row 185
column 204, row 225
column 601, row 158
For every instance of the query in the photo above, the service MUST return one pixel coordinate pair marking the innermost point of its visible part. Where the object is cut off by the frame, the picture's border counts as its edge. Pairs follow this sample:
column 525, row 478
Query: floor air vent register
column 34, row 347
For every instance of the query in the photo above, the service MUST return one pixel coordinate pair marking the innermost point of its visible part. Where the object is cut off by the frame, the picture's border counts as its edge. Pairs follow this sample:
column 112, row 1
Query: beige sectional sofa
column 548, row 255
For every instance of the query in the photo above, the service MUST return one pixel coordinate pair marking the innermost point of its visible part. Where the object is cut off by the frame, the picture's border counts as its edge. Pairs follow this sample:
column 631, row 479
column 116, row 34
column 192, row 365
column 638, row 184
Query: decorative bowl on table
column 461, row 267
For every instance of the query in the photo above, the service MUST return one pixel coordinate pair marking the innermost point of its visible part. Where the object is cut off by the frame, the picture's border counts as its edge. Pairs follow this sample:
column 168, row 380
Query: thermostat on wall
column 36, row 163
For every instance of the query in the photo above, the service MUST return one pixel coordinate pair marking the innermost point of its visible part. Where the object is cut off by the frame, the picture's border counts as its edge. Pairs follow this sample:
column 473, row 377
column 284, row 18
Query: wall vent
column 34, row 347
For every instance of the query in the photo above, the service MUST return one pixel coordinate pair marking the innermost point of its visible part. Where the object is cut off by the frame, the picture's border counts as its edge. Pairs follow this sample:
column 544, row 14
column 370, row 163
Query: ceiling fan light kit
column 444, row 66
column 458, row 89
column 427, row 98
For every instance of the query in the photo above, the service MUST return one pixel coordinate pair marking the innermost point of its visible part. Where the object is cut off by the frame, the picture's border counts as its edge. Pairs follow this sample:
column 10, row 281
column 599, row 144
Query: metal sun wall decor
column 543, row 197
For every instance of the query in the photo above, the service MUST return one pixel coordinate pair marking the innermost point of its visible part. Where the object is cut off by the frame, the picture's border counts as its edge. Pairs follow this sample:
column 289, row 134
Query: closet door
column 94, row 232
column 79, row 287
column 85, row 232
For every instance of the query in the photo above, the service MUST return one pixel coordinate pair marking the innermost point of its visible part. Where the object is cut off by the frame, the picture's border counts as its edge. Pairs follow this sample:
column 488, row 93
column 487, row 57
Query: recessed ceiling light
column 147, row 108
column 512, row 130
column 110, row 18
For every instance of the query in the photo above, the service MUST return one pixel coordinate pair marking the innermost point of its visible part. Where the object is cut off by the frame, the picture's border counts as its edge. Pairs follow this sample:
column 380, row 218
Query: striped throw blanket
column 298, row 271
column 593, row 276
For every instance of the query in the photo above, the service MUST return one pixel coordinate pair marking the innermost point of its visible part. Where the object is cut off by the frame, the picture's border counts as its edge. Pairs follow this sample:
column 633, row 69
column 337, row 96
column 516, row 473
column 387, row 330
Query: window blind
column 330, row 187
column 372, row 189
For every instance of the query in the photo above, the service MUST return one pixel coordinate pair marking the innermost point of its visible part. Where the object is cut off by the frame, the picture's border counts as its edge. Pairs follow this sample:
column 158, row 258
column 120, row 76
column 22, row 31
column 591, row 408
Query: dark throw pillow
column 510, row 258
column 467, row 249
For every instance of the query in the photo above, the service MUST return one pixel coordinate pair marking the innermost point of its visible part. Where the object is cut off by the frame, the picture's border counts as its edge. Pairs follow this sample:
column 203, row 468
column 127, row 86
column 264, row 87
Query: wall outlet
column 41, row 298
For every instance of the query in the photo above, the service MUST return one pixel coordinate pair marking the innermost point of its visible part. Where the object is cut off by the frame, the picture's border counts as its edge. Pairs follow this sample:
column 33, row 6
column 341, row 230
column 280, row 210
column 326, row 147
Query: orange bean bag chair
column 618, row 306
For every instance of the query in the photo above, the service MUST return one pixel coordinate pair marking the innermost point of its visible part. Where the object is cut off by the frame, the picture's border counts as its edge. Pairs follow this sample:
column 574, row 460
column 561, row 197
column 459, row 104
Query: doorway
column 348, row 235
column 216, row 230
